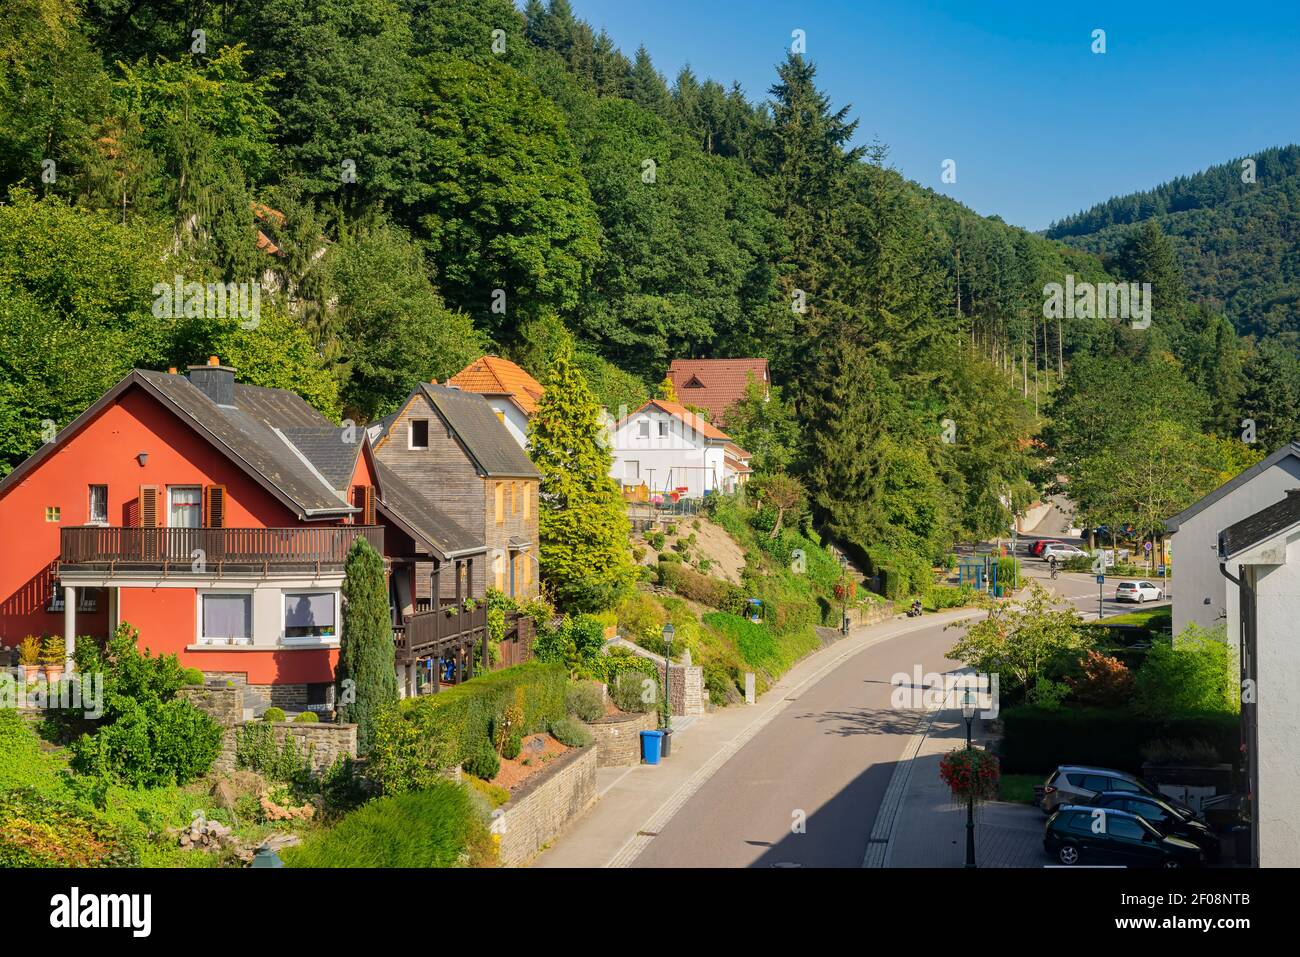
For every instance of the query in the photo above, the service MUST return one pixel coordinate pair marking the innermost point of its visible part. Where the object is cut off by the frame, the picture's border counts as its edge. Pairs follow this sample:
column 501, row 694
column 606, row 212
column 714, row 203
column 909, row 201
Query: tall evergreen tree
column 581, row 519
column 646, row 86
column 366, row 674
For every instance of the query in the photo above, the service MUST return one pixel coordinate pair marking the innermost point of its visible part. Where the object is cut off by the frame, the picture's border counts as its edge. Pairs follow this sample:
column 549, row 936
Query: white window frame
column 313, row 640
column 643, row 428
column 410, row 435
column 202, row 639
column 90, row 504
column 171, row 490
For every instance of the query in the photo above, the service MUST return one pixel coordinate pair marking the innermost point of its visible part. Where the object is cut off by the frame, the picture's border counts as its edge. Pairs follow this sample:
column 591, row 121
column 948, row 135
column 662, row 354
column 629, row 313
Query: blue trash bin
column 650, row 744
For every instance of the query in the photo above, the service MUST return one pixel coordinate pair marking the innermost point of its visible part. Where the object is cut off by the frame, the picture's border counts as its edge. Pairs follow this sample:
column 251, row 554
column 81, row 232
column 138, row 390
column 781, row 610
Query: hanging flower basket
column 971, row 773
column 845, row 590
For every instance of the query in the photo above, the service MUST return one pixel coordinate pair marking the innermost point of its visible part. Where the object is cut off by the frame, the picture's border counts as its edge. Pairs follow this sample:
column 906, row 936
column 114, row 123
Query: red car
column 1036, row 549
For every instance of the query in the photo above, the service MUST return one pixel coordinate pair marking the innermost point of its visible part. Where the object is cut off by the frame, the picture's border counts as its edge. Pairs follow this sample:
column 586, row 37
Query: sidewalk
column 634, row 803
column 921, row 825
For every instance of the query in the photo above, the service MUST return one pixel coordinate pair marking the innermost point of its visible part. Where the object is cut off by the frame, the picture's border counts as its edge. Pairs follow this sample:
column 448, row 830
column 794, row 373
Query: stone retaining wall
column 544, row 805
column 325, row 742
column 618, row 738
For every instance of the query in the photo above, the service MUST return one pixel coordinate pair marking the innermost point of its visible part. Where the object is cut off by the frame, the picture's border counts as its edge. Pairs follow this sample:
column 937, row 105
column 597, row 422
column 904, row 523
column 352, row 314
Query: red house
column 715, row 385
column 213, row 516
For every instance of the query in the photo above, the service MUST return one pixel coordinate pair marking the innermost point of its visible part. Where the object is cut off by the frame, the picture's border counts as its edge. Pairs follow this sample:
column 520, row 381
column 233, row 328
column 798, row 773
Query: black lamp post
column 968, row 712
column 668, row 655
column 844, row 594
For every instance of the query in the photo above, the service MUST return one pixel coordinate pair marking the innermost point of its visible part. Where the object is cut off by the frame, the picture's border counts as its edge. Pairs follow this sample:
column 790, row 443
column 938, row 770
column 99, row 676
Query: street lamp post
column 968, row 712
column 668, row 655
column 844, row 594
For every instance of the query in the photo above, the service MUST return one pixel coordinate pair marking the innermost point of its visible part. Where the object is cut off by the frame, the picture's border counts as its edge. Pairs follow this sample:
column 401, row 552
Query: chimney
column 215, row 381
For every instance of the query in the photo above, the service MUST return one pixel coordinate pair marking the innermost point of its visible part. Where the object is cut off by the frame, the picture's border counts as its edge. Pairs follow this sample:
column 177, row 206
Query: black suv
column 1166, row 818
column 1077, row 834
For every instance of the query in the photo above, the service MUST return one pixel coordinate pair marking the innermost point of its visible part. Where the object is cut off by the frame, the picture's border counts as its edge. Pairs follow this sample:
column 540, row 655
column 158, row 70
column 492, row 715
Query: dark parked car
column 1092, row 835
column 1164, row 817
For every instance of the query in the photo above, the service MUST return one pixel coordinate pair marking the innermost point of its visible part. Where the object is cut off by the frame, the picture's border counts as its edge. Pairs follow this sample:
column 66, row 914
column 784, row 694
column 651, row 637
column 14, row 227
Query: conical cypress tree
column 366, row 676
column 582, row 522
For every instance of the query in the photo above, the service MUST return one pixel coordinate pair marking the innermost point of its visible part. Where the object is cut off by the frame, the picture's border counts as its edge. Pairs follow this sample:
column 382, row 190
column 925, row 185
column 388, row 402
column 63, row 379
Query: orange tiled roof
column 492, row 375
column 715, row 384
column 697, row 422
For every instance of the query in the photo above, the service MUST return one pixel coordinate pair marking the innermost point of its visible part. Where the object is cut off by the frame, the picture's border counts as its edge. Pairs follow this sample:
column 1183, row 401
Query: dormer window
column 643, row 428
column 419, row 433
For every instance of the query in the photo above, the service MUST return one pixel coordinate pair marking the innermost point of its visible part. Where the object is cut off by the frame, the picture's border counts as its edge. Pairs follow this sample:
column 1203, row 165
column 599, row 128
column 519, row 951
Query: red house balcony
column 183, row 550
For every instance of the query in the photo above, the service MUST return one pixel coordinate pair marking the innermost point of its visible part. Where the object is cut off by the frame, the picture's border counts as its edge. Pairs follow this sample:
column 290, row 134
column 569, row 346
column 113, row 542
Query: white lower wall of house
column 267, row 594
column 1278, row 708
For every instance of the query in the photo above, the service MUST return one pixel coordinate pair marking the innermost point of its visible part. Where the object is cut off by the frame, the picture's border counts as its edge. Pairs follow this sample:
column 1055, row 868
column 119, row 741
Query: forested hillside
column 1236, row 231
column 416, row 182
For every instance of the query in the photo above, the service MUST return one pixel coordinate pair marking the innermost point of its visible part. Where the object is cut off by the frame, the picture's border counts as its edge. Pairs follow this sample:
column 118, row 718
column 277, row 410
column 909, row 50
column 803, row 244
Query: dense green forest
column 413, row 183
column 1235, row 228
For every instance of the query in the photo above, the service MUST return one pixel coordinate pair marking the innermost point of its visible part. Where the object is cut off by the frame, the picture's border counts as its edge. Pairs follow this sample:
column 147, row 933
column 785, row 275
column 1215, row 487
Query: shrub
column 571, row 733
column 507, row 727
column 256, row 749
column 423, row 736
column 671, row 529
column 634, row 692
column 37, row 830
column 192, row 676
column 575, row 643
column 1192, row 674
column 670, row 557
column 656, row 540
column 647, row 574
column 942, row 597
column 273, row 714
column 1102, row 680
column 53, row 651
column 493, row 794
column 702, row 588
column 434, row 827
column 484, row 763
column 306, row 717
column 146, row 736
column 1036, row 740
column 638, row 553
column 29, row 651
column 705, row 564
column 585, row 700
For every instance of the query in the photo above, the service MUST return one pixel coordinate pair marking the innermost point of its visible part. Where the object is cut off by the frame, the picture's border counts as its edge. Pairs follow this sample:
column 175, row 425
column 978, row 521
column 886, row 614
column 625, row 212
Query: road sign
column 1146, row 546
column 1101, row 579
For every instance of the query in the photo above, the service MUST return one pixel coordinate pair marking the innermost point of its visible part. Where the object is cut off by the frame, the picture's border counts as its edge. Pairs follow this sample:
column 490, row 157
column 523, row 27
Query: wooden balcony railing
column 212, row 549
column 431, row 632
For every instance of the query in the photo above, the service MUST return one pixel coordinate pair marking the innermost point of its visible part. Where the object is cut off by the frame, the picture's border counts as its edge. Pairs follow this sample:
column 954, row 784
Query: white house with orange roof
column 670, row 449
column 512, row 392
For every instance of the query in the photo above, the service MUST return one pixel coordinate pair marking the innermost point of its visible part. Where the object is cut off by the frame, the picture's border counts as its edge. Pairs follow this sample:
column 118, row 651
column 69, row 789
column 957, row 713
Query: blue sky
column 1038, row 124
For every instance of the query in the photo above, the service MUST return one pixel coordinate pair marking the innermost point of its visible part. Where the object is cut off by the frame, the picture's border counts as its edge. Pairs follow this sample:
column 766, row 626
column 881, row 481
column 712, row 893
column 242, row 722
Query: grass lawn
column 1019, row 788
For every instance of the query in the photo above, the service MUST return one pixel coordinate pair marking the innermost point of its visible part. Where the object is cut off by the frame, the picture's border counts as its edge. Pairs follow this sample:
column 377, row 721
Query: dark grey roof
column 411, row 508
column 1261, row 526
column 488, row 442
column 329, row 450
column 248, row 431
column 1291, row 448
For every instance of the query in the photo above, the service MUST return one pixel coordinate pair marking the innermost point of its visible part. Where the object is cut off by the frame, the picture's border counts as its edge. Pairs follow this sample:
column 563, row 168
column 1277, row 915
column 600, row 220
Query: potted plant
column 29, row 657
column 52, row 657
column 971, row 773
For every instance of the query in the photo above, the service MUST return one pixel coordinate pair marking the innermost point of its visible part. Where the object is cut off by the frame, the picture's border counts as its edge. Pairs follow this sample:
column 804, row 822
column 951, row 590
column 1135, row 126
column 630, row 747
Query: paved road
column 829, row 755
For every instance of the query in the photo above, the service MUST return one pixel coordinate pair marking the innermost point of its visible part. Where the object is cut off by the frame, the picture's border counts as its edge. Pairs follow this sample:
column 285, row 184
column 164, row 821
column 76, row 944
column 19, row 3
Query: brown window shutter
column 214, row 506
column 148, row 506
column 367, row 504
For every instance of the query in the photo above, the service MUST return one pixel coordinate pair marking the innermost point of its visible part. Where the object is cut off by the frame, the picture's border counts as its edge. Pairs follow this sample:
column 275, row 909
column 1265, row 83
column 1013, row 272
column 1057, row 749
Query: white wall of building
column 1278, row 708
column 512, row 417
column 672, row 455
column 1195, row 550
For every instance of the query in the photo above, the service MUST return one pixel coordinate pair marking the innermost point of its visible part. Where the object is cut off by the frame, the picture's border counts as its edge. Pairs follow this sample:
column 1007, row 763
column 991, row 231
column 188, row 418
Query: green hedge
column 1038, row 740
column 426, row 735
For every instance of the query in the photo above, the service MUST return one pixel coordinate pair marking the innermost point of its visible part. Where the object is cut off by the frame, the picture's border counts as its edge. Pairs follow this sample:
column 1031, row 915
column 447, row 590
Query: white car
column 1138, row 592
column 1061, row 551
